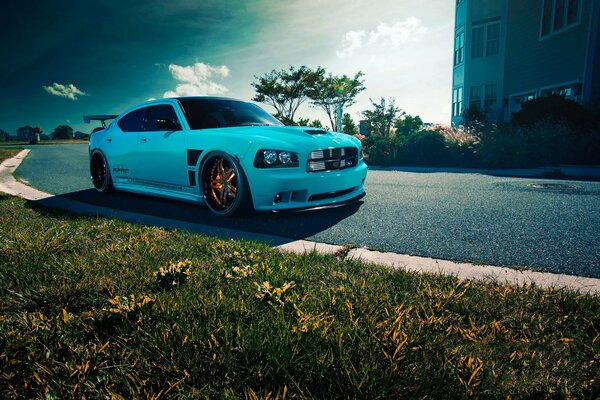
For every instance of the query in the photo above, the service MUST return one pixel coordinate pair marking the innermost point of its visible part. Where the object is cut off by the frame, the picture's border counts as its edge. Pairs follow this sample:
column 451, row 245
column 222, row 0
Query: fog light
column 277, row 198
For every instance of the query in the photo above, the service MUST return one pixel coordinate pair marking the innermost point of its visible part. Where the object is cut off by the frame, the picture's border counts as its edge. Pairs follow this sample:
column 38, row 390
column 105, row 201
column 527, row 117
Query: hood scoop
column 316, row 132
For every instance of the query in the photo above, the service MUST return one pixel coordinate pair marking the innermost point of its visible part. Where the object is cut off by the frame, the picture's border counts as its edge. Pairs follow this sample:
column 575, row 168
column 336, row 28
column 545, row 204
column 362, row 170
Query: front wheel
column 100, row 173
column 226, row 190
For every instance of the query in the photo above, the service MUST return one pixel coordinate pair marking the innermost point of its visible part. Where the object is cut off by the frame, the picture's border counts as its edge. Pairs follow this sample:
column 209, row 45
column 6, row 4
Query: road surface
column 542, row 224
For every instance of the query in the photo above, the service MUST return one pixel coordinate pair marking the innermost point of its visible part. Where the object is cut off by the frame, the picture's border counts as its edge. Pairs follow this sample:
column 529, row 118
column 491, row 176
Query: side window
column 134, row 121
column 160, row 112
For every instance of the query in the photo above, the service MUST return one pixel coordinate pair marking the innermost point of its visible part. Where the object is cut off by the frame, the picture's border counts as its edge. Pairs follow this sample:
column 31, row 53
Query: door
column 162, row 153
column 122, row 146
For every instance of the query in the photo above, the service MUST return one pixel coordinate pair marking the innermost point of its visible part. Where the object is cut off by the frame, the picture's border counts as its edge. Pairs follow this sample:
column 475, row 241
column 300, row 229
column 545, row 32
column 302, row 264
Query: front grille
column 332, row 159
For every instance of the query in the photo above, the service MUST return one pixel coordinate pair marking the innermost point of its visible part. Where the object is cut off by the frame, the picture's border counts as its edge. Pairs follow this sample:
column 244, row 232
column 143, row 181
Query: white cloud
column 353, row 40
column 197, row 80
column 384, row 35
column 69, row 91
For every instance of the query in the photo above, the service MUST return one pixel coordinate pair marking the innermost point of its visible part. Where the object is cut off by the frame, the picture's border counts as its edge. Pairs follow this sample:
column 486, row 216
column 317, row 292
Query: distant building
column 363, row 127
column 510, row 51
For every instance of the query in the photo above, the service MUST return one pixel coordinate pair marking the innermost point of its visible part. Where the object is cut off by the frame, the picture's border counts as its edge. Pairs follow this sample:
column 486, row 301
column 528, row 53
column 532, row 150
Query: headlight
column 270, row 156
column 275, row 159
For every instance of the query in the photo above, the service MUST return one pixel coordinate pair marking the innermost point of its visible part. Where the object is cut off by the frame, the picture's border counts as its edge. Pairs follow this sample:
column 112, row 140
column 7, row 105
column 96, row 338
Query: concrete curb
column 574, row 172
column 484, row 273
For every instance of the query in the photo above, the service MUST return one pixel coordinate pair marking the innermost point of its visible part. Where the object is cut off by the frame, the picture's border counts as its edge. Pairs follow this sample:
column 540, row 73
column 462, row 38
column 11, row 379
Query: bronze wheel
column 99, row 172
column 223, row 184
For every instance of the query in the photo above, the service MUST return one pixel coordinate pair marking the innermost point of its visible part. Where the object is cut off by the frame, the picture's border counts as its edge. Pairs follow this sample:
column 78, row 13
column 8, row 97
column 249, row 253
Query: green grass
column 8, row 153
column 243, row 320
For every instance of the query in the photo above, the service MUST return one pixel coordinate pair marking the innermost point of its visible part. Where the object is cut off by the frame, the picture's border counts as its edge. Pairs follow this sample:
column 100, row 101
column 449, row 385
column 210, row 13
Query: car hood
column 295, row 136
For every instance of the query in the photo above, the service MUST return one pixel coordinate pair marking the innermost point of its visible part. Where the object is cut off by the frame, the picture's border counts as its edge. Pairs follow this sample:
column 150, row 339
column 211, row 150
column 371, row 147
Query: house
column 509, row 51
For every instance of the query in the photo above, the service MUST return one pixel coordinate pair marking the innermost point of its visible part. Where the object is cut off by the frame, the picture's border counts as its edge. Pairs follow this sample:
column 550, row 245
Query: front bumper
column 294, row 188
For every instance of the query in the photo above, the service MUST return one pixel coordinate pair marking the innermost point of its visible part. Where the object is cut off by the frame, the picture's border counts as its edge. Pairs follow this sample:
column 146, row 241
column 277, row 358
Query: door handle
column 109, row 140
column 143, row 140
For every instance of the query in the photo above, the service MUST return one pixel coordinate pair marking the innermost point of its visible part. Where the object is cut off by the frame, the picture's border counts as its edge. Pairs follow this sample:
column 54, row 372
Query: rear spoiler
column 102, row 118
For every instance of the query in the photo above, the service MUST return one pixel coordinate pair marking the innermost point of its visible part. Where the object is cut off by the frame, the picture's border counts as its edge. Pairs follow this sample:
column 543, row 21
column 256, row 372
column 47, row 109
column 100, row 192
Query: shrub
column 426, row 148
column 552, row 109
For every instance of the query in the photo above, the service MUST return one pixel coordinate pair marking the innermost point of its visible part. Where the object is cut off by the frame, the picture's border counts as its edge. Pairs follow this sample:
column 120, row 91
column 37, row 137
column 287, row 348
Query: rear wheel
column 225, row 188
column 100, row 173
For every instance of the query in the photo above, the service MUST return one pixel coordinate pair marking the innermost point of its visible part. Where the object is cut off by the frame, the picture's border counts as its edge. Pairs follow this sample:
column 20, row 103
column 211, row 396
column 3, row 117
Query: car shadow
column 289, row 224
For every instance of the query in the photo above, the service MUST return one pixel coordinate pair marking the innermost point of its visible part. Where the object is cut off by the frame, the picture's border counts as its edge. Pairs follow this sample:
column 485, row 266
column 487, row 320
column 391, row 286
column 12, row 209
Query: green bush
column 552, row 109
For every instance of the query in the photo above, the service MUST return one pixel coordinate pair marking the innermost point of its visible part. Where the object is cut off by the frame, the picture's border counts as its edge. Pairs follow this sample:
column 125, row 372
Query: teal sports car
column 228, row 154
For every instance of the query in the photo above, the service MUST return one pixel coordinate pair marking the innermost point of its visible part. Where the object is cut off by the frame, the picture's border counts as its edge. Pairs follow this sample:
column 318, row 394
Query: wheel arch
column 207, row 156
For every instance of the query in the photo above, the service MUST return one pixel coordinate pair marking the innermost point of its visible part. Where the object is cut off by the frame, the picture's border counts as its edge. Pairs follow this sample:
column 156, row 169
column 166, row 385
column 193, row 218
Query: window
column 492, row 45
column 459, row 48
column 475, row 98
column 558, row 15
column 134, row 121
column 570, row 92
column 457, row 98
column 205, row 114
column 477, row 42
column 162, row 111
column 572, row 12
column 517, row 101
column 490, row 98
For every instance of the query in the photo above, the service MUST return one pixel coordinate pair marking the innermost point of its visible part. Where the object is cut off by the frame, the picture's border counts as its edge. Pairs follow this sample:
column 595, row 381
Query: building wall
column 533, row 63
column 528, row 63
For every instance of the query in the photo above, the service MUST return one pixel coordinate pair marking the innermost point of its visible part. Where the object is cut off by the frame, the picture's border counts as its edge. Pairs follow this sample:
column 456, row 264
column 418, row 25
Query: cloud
column 69, row 91
column 353, row 40
column 384, row 35
column 197, row 80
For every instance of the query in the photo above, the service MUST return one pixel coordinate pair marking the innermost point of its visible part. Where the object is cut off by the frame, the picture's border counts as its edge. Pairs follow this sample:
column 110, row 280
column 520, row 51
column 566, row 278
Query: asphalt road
column 455, row 216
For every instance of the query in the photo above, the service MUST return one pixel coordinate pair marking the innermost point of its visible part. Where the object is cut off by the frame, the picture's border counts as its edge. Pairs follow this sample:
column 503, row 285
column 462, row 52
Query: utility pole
column 339, row 116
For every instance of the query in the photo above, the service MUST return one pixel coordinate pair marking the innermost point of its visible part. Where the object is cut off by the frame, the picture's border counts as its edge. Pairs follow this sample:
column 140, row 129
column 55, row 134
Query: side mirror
column 167, row 125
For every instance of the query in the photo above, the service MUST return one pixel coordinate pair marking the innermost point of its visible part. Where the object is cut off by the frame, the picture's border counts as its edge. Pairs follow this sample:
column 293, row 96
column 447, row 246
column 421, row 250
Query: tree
column 348, row 125
column 35, row 137
column 62, row 132
column 286, row 90
column 315, row 123
column 408, row 125
column 24, row 133
column 4, row 136
column 333, row 90
column 381, row 118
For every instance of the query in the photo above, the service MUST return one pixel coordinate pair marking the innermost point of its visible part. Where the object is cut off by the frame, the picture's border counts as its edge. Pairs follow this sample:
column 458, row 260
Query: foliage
column 333, row 90
column 4, row 136
column 253, row 322
column 62, row 132
column 381, row 118
column 287, row 89
column 315, row 123
column 348, row 125
column 473, row 117
column 24, row 133
column 553, row 109
column 407, row 125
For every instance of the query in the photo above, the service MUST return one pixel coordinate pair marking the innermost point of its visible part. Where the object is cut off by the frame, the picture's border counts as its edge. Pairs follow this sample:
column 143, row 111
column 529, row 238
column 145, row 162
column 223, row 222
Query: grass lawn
column 8, row 153
column 92, row 307
column 46, row 142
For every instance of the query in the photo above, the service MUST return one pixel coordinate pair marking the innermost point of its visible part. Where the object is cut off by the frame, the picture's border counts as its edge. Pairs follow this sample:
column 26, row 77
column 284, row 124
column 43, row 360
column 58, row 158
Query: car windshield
column 223, row 113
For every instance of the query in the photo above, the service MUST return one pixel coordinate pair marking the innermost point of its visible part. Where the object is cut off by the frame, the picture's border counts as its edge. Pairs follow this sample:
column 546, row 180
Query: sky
column 61, row 60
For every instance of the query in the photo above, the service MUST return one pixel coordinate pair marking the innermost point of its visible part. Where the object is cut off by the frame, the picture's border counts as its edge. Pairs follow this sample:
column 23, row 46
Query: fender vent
column 316, row 132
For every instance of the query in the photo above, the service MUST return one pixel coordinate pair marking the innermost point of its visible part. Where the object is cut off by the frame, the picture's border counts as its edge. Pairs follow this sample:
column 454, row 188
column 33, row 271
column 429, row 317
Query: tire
column 100, row 173
column 224, row 185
